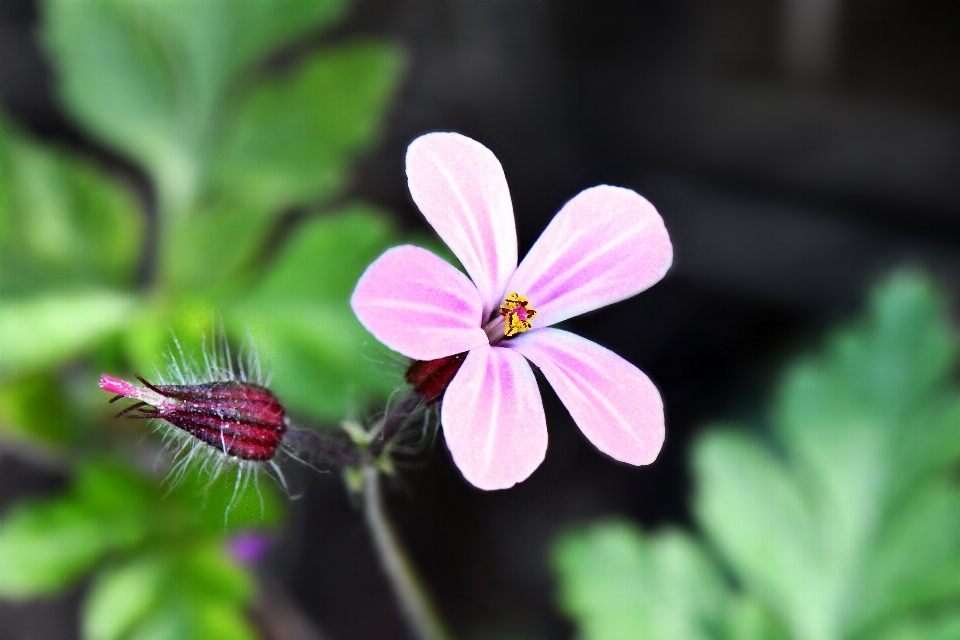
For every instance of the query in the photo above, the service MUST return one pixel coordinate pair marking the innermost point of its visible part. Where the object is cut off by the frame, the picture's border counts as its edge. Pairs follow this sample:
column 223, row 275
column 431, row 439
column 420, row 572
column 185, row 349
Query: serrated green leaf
column 291, row 145
column 915, row 560
column 853, row 521
column 154, row 79
column 296, row 134
column 760, row 521
column 64, row 221
column 876, row 371
column 38, row 331
column 301, row 320
column 617, row 584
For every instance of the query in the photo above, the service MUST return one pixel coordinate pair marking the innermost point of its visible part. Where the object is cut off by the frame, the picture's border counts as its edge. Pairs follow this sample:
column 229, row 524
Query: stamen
column 518, row 313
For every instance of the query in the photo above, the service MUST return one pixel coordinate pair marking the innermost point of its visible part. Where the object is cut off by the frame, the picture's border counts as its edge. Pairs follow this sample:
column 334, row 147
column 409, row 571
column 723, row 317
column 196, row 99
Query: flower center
column 518, row 313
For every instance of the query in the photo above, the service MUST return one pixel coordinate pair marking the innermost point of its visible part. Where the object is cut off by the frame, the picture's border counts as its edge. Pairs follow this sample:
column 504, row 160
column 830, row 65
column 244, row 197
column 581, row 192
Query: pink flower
column 605, row 245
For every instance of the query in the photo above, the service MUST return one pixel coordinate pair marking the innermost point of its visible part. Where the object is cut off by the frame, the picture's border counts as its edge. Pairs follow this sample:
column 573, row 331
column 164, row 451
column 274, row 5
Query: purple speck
column 248, row 547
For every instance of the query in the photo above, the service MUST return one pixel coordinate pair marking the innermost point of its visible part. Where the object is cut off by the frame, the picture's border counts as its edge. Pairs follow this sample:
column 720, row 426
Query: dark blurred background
column 796, row 149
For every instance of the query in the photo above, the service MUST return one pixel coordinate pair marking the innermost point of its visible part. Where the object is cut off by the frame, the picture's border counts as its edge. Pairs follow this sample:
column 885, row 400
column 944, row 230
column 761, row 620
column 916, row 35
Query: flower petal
column 614, row 403
column 605, row 245
column 493, row 419
column 418, row 304
column 459, row 186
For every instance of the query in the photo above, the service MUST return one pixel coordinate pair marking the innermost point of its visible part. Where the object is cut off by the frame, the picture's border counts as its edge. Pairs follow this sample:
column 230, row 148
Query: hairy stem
column 415, row 601
column 393, row 421
column 329, row 447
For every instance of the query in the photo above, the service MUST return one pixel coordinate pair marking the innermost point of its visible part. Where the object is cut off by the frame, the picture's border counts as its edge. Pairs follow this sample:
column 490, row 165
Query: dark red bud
column 241, row 419
column 430, row 378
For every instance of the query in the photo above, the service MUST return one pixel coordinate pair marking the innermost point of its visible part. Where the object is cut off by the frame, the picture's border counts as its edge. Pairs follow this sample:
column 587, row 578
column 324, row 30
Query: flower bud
column 430, row 378
column 243, row 420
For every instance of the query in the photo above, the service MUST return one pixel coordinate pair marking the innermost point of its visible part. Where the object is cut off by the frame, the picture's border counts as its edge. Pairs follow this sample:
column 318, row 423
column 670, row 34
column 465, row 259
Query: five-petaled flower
column 605, row 245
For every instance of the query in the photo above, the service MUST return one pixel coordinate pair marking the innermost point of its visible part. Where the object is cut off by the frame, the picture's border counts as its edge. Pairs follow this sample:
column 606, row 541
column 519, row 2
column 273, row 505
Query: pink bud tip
column 120, row 387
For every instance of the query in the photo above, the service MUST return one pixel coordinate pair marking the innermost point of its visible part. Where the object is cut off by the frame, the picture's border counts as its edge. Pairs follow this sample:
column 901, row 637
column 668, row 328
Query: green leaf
column 212, row 249
column 196, row 621
column 206, row 573
column 38, row 331
column 915, row 560
column 65, row 222
column 876, row 372
column 759, row 519
column 296, row 135
column 46, row 545
column 154, row 79
column 617, row 583
column 746, row 619
column 180, row 593
column 223, row 621
column 36, row 408
column 111, row 489
column 150, row 339
column 848, row 520
column 292, row 145
column 122, row 596
column 936, row 626
column 236, row 498
column 300, row 316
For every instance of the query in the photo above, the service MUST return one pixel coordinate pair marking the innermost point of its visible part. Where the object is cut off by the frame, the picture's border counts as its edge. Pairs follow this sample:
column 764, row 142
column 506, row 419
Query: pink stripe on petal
column 493, row 419
column 418, row 304
column 614, row 403
column 459, row 186
column 605, row 245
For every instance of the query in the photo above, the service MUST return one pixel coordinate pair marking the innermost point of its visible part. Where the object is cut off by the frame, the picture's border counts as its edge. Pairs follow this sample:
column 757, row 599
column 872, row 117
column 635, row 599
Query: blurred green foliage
column 841, row 522
column 161, row 565
column 245, row 127
column 230, row 146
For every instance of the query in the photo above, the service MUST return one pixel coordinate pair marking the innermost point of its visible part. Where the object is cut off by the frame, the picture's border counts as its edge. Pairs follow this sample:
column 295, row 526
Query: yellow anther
column 518, row 313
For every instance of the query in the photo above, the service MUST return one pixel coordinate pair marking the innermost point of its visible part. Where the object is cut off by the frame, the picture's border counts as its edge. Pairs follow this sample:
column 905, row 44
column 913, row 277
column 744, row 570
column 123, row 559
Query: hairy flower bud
column 243, row 420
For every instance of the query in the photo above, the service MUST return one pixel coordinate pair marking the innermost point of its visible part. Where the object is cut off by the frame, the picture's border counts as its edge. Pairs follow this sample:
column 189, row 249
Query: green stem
column 408, row 587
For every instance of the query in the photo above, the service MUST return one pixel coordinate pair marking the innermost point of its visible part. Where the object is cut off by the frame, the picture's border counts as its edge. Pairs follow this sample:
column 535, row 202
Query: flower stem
column 329, row 447
column 393, row 421
column 408, row 587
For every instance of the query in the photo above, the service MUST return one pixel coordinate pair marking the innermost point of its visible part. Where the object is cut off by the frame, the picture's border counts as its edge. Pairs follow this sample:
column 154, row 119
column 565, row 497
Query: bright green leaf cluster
column 841, row 525
column 159, row 80
column 231, row 147
column 245, row 131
